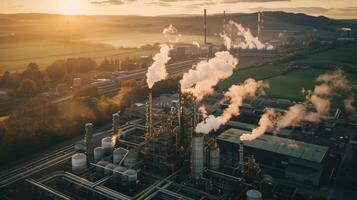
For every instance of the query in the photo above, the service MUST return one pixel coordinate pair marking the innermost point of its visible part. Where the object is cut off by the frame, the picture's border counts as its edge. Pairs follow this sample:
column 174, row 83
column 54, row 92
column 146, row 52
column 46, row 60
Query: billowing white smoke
column 200, row 81
column 319, row 97
column 157, row 71
column 266, row 122
column 295, row 115
column 171, row 33
column 235, row 94
column 203, row 111
column 196, row 44
column 244, row 38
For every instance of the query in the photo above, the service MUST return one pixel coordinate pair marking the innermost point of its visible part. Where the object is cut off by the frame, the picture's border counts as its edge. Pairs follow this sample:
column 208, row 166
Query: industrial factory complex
column 157, row 154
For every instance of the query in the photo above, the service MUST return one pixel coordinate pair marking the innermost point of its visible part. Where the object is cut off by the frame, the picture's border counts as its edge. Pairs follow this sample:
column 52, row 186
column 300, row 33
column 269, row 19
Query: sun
column 69, row 7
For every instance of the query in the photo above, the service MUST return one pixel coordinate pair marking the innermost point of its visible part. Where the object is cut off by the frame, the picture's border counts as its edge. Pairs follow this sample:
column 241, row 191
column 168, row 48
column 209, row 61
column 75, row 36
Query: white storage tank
column 132, row 175
column 197, row 156
column 131, row 159
column 100, row 168
column 108, row 145
column 254, row 195
column 118, row 173
column 98, row 154
column 118, row 155
column 214, row 159
column 79, row 163
column 109, row 169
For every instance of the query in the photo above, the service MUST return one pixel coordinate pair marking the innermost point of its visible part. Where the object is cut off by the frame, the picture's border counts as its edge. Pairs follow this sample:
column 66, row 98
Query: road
column 173, row 69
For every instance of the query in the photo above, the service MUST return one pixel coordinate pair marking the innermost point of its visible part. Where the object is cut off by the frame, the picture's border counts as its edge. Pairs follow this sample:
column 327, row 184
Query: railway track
column 13, row 175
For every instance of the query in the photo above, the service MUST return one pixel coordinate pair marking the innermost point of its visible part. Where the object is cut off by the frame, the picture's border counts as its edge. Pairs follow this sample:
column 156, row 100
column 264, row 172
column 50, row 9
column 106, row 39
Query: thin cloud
column 108, row 2
column 250, row 1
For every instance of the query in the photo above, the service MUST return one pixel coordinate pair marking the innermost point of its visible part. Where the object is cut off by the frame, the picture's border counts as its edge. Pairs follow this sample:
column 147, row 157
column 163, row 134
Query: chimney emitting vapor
column 205, row 25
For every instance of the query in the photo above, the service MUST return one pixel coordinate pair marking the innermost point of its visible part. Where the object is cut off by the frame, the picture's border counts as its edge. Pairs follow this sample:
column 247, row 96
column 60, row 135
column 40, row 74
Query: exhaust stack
column 89, row 144
column 260, row 24
column 205, row 26
column 149, row 125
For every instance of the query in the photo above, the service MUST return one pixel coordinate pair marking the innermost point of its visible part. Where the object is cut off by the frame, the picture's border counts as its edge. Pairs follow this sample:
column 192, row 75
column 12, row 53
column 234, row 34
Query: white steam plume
column 201, row 80
column 157, row 71
column 243, row 38
column 203, row 111
column 196, row 44
column 171, row 33
column 267, row 121
column 236, row 94
column 319, row 97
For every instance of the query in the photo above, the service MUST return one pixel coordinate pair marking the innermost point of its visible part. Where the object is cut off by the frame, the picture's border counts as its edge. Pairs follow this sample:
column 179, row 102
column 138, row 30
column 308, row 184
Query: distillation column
column 89, row 143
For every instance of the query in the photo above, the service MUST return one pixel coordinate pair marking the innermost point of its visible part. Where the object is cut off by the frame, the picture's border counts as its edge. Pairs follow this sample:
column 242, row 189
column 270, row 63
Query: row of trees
column 33, row 80
column 32, row 127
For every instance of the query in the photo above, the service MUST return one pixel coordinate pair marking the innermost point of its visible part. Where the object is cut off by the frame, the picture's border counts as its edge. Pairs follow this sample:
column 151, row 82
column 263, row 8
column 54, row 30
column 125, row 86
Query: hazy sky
column 330, row 8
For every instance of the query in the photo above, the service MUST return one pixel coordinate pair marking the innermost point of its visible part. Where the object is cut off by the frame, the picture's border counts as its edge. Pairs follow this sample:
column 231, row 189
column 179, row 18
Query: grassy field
column 342, row 56
column 289, row 85
column 15, row 56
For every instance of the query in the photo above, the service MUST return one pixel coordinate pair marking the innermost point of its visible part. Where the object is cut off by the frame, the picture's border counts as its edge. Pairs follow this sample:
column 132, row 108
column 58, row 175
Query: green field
column 15, row 56
column 289, row 85
column 344, row 56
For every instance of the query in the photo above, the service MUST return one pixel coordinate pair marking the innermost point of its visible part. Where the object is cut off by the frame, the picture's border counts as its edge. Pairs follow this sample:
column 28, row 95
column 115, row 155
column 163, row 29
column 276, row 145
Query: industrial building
column 295, row 160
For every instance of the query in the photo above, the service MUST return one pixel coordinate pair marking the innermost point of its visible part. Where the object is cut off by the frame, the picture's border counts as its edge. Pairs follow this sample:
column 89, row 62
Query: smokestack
column 205, row 25
column 89, row 144
column 180, row 116
column 150, row 113
column 224, row 22
column 241, row 157
column 260, row 24
column 115, row 123
column 195, row 114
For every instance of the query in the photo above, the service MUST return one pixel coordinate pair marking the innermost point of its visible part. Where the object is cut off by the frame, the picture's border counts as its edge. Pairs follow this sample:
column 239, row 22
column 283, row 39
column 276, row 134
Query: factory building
column 299, row 161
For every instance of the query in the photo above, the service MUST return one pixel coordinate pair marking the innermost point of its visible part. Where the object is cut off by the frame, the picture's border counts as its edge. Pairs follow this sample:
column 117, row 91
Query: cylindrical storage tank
column 197, row 156
column 118, row 155
column 79, row 163
column 109, row 169
column 100, row 168
column 98, row 154
column 108, row 146
column 132, row 175
column 254, row 195
column 131, row 159
column 118, row 173
column 214, row 159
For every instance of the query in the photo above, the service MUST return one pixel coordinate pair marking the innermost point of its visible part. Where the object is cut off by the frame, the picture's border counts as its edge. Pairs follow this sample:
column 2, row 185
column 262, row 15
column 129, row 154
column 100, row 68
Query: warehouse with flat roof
column 297, row 160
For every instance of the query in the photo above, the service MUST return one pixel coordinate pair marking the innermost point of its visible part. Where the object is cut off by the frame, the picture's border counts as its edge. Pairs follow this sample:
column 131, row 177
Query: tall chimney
column 150, row 113
column 180, row 116
column 224, row 22
column 89, row 144
column 260, row 25
column 115, row 123
column 205, row 25
column 241, row 157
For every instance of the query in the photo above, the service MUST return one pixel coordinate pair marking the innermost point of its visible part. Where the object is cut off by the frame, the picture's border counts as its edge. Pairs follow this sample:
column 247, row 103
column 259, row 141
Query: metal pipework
column 241, row 157
column 89, row 143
